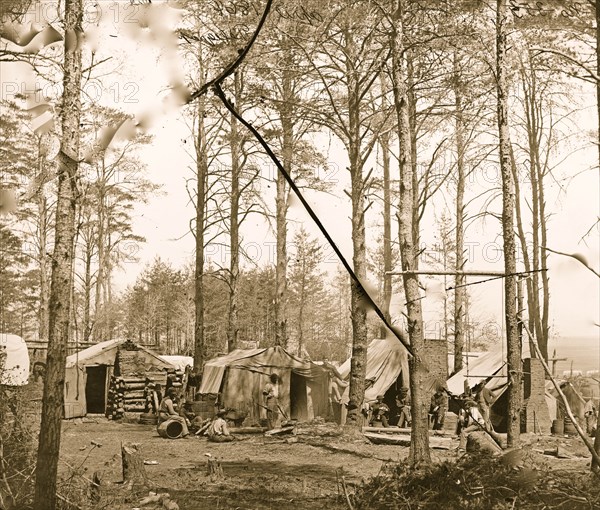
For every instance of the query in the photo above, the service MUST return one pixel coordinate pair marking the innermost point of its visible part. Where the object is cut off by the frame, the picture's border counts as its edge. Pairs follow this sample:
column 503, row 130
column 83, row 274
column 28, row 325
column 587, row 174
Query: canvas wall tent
column 88, row 373
column 14, row 360
column 241, row 375
column 179, row 362
column 491, row 368
column 387, row 371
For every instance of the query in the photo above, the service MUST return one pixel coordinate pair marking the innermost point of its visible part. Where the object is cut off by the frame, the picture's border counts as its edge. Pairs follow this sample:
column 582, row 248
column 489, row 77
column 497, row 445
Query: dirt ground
column 303, row 472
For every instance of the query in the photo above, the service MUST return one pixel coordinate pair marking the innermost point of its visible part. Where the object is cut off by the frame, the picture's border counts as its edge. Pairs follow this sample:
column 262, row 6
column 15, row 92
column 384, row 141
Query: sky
column 136, row 79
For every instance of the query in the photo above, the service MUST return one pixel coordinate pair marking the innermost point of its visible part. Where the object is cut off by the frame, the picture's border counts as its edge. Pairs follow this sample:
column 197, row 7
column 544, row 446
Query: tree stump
column 96, row 486
column 215, row 470
column 134, row 472
column 481, row 442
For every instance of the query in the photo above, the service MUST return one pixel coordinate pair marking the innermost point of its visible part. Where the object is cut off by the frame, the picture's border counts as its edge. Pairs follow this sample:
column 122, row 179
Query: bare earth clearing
column 302, row 472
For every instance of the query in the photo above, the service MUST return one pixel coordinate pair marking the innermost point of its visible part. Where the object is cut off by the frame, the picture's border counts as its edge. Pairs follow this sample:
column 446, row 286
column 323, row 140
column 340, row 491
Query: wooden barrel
column 569, row 427
column 558, row 427
column 450, row 423
column 170, row 429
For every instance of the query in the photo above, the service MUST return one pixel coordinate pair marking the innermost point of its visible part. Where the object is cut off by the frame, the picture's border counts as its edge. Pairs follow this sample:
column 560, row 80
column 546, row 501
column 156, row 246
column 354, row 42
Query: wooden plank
column 247, row 430
column 398, row 430
column 437, row 442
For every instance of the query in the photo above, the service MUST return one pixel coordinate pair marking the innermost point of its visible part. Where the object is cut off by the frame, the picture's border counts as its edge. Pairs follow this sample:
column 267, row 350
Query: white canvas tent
column 14, row 360
column 387, row 360
column 490, row 366
column 179, row 362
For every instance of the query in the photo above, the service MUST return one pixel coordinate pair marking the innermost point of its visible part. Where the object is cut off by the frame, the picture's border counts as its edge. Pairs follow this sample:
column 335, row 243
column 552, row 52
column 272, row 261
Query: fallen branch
column 346, row 493
column 579, row 430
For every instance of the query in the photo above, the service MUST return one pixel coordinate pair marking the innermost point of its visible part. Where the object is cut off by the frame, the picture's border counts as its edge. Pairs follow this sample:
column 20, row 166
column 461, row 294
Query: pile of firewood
column 125, row 394
column 175, row 378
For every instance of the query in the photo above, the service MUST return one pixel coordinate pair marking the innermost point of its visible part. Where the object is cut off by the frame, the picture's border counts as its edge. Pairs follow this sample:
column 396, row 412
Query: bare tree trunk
column 524, row 250
column 281, row 205
column 358, row 361
column 99, row 331
column 595, row 466
column 419, row 445
column 597, row 9
column 533, row 120
column 301, row 306
column 411, row 98
column 508, row 207
column 384, row 141
column 201, row 175
column 460, row 292
column 234, row 236
column 545, row 306
column 42, row 204
column 60, row 288
column 87, row 292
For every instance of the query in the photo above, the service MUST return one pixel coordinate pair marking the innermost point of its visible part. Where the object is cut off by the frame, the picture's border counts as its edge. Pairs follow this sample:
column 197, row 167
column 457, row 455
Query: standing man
column 271, row 396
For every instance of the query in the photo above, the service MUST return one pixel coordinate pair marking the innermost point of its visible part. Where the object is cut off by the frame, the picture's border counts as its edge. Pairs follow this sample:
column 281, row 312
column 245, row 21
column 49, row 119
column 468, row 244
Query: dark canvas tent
column 88, row 374
column 241, row 375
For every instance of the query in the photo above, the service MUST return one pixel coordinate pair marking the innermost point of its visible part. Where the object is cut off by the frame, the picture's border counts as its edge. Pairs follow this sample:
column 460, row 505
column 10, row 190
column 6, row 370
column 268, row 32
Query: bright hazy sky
column 136, row 78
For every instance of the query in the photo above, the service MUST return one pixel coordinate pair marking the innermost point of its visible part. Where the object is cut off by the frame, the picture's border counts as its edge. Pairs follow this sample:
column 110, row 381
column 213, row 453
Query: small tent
column 14, row 360
column 88, row 373
column 386, row 373
column 241, row 375
column 387, row 369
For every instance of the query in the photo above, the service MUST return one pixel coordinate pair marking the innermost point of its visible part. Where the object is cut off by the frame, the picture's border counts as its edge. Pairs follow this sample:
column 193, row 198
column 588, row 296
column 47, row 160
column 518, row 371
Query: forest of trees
column 421, row 97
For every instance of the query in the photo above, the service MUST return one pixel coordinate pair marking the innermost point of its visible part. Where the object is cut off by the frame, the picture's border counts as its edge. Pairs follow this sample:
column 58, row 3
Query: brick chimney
column 535, row 416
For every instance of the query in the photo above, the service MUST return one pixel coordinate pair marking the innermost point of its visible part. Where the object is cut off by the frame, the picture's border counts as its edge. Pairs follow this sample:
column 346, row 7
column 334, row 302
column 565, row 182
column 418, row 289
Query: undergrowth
column 475, row 483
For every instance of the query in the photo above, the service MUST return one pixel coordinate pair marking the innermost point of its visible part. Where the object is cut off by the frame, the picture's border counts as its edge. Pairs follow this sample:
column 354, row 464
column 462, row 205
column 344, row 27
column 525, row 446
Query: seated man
column 403, row 405
column 380, row 412
column 472, row 420
column 218, row 432
column 167, row 411
column 438, row 408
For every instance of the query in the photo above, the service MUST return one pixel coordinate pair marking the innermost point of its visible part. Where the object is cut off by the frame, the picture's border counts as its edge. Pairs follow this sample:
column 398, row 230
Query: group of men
column 474, row 413
column 167, row 409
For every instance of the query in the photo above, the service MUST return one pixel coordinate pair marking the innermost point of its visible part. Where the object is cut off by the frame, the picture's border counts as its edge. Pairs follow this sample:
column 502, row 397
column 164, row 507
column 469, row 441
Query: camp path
column 260, row 472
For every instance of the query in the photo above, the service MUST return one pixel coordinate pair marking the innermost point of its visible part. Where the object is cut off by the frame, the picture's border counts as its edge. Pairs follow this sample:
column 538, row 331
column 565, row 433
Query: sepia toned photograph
column 270, row 254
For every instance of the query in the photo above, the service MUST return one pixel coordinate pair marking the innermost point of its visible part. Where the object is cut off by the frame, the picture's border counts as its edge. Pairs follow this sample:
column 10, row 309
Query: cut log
column 139, row 394
column 134, row 472
column 436, row 442
column 134, row 409
column 279, row 431
column 135, row 386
